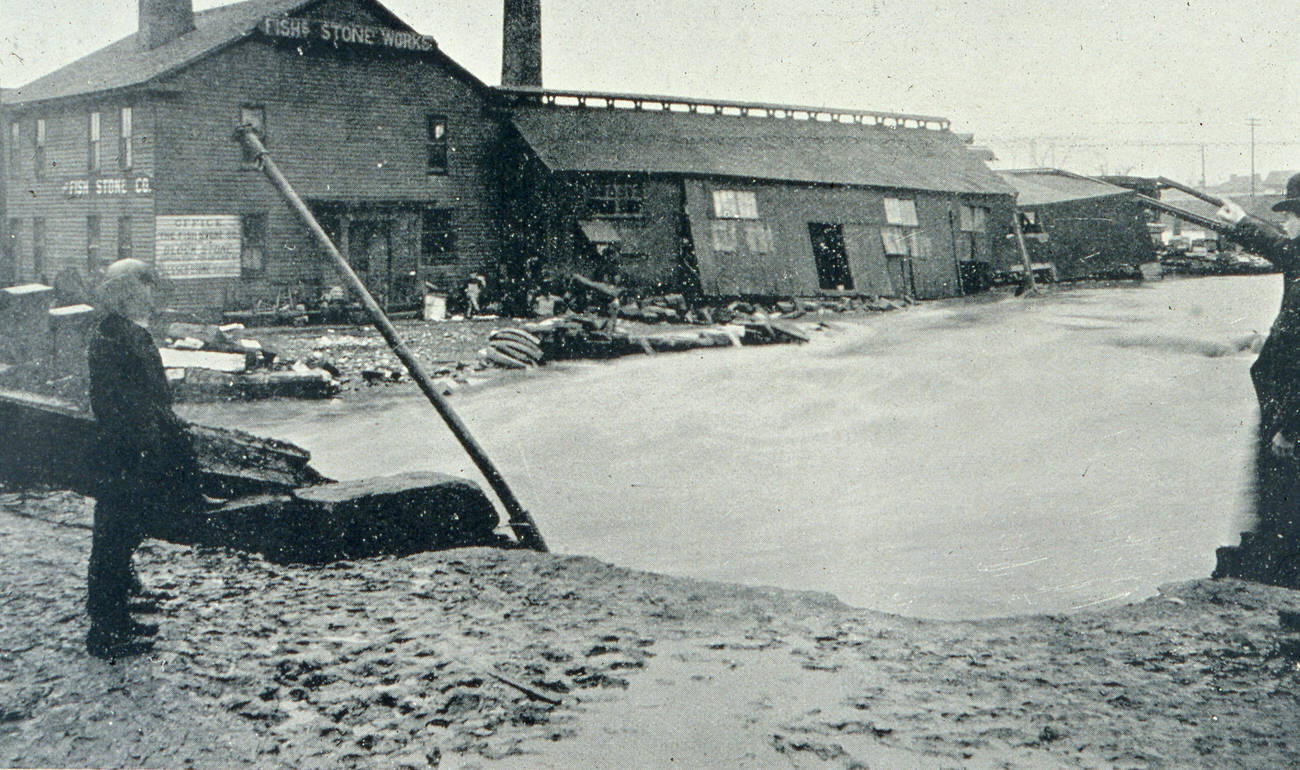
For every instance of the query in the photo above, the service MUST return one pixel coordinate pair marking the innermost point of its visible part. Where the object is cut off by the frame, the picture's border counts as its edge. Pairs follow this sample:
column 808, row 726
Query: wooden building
column 130, row 152
column 751, row 199
column 1093, row 229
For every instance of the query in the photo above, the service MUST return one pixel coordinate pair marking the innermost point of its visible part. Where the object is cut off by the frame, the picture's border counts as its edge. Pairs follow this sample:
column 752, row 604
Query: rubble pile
column 211, row 362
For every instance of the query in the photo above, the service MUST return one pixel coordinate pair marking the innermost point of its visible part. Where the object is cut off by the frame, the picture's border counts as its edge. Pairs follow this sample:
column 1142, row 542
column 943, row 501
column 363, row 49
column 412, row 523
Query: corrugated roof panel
column 823, row 152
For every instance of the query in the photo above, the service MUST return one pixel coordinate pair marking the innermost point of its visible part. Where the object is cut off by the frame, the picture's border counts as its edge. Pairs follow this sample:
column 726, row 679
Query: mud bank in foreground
column 394, row 663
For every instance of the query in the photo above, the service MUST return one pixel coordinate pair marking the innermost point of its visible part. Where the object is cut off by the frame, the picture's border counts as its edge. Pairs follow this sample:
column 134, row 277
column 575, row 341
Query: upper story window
column 94, row 152
column 620, row 198
column 973, row 219
column 254, row 115
column 435, row 144
column 15, row 133
column 900, row 211
column 125, row 152
column 734, row 204
column 38, row 153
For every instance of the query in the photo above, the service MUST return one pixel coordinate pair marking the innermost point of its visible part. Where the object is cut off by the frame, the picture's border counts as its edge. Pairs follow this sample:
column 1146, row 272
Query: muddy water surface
column 955, row 460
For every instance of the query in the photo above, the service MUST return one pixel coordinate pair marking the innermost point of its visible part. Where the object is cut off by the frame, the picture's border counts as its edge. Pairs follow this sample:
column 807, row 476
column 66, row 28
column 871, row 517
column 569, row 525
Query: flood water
column 955, row 460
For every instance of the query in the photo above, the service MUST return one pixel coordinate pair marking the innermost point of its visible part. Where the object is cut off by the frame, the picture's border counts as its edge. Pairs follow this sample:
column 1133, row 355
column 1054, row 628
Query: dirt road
column 390, row 663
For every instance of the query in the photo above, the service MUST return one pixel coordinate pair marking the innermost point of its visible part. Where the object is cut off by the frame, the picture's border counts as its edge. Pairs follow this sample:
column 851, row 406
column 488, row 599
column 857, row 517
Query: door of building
column 902, row 277
column 828, row 251
column 369, row 253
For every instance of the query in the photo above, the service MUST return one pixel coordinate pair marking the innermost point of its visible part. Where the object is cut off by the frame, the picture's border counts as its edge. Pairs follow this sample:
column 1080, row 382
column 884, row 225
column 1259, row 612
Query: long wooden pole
column 521, row 522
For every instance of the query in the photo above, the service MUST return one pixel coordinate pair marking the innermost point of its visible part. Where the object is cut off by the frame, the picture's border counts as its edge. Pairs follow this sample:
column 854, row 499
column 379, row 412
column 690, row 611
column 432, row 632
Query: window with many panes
column 125, row 248
column 898, row 236
column 93, row 263
column 973, row 219
column 615, row 198
column 252, row 244
column 254, row 115
column 731, row 236
column 735, row 204
column 900, row 211
column 94, row 150
column 125, row 152
column 435, row 144
column 38, row 150
column 437, row 237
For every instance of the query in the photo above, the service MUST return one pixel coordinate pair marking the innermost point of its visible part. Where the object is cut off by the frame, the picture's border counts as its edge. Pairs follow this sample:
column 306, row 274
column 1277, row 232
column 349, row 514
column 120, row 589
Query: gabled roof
column 781, row 149
column 127, row 64
column 1040, row 186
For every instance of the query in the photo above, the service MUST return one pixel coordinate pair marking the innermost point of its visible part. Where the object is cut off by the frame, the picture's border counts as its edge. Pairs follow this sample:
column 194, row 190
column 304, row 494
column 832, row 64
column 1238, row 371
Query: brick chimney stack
column 521, row 55
column 162, row 21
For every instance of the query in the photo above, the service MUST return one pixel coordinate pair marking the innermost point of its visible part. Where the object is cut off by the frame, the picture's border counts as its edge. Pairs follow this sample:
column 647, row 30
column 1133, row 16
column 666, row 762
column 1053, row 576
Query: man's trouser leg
column 114, row 539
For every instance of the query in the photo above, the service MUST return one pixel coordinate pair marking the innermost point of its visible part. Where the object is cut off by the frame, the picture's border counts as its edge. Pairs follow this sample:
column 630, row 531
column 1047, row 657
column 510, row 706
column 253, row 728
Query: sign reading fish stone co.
column 197, row 246
column 336, row 32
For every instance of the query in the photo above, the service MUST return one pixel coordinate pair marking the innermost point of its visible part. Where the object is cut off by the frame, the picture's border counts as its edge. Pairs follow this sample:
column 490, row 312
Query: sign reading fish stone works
column 206, row 246
column 336, row 32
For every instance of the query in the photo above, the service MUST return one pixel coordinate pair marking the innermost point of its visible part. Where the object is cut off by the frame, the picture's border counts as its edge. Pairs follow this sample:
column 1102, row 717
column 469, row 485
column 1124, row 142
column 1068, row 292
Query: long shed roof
column 781, row 149
column 1042, row 186
column 126, row 63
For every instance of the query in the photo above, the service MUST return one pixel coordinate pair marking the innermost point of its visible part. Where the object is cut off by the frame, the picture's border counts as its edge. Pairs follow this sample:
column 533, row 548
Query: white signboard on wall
column 205, row 246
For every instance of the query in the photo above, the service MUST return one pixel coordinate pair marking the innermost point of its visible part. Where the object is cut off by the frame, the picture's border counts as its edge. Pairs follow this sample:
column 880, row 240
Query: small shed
column 1092, row 228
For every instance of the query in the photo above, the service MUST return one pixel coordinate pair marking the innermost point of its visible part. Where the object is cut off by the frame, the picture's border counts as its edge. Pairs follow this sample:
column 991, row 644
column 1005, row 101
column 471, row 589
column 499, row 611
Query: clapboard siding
column 65, row 211
column 345, row 128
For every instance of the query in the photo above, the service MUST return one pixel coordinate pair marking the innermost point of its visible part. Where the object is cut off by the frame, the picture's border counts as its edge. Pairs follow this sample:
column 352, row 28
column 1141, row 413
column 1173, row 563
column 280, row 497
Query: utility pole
column 1252, row 122
column 1202, row 166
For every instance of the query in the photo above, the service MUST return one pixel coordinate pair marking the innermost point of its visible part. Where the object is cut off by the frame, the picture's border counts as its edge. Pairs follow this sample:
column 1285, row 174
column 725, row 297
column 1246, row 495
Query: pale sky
column 1087, row 85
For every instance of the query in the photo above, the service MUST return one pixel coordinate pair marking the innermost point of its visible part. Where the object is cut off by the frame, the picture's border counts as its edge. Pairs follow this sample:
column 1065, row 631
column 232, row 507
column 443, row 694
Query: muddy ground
column 392, row 663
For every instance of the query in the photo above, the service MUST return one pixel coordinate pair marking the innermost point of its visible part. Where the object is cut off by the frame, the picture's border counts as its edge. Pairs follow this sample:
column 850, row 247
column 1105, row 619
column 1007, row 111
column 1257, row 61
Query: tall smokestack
column 521, row 56
column 162, row 21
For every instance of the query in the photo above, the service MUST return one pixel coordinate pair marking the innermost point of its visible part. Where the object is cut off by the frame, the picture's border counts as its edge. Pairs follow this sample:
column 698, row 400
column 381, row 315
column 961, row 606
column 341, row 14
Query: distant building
column 1093, row 229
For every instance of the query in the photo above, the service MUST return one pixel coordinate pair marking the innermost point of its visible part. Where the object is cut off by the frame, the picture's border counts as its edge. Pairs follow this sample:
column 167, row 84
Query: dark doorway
column 369, row 244
column 828, row 250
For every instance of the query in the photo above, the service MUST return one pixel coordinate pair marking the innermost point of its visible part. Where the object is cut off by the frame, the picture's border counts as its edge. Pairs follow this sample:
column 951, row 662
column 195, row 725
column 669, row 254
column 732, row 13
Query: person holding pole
column 1276, row 377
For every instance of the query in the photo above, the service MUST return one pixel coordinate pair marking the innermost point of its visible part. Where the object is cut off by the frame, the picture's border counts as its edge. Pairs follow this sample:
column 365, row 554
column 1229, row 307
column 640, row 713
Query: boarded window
column 125, row 247
column 437, row 237
column 735, row 204
column 252, row 244
column 125, row 153
column 38, row 153
column 621, row 198
column 435, row 144
column 93, row 260
column 758, row 237
column 973, row 218
column 94, row 151
column 254, row 115
column 724, row 235
column 900, row 211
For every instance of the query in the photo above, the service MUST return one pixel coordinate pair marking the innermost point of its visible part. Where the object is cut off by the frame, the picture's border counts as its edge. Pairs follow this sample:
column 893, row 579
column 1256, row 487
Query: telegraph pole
column 1202, row 166
column 1252, row 122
